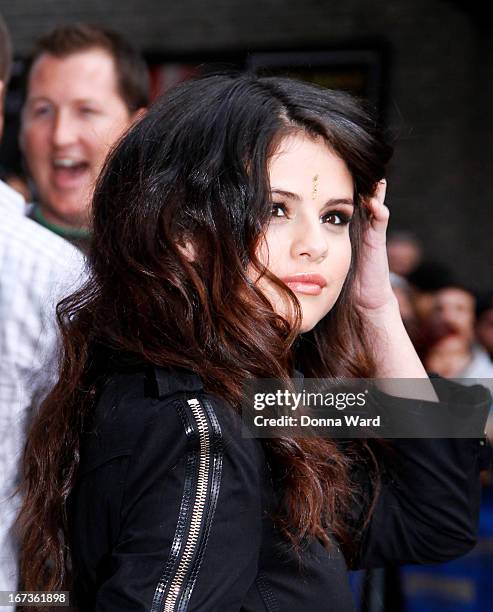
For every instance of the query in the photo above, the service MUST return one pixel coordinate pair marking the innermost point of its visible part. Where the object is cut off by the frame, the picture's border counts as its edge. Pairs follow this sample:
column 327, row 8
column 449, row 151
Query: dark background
column 432, row 62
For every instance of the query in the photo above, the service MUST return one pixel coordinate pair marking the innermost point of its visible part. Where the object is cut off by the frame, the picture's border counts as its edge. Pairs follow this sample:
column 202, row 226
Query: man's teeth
column 67, row 163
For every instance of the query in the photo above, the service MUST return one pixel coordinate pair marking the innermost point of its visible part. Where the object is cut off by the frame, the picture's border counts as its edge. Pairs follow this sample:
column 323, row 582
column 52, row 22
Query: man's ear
column 138, row 114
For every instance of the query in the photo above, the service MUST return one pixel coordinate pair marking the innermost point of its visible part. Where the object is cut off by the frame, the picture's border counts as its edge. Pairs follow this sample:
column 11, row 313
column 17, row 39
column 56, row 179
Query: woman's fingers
column 379, row 212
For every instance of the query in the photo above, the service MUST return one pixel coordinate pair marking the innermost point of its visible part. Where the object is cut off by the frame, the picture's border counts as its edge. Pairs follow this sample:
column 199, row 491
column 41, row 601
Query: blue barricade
column 463, row 585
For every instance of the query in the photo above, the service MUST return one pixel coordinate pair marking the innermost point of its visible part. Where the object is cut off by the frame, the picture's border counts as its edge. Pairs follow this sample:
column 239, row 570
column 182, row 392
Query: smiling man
column 86, row 86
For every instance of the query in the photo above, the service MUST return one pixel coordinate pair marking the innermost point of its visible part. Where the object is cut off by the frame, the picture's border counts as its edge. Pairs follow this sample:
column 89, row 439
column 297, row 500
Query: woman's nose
column 310, row 240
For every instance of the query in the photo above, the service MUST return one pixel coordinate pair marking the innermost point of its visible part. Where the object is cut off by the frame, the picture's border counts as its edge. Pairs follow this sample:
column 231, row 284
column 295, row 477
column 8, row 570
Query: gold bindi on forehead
column 315, row 187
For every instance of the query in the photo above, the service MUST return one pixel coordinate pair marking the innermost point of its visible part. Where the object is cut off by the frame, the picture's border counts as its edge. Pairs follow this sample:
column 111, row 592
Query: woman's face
column 307, row 242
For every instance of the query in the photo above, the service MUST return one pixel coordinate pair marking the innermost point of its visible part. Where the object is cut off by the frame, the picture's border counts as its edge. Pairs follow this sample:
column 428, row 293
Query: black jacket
column 171, row 510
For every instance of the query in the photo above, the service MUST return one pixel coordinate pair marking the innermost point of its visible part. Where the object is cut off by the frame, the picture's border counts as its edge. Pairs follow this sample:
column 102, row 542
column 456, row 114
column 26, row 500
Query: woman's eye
column 335, row 218
column 278, row 210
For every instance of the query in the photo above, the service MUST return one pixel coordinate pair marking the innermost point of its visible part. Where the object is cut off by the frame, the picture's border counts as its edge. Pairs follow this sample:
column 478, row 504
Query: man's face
column 454, row 308
column 72, row 117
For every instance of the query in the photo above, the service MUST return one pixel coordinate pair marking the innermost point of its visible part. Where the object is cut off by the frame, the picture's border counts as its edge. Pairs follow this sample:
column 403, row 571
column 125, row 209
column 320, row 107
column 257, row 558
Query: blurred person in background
column 37, row 269
column 484, row 322
column 453, row 351
column 404, row 252
column 86, row 86
column 448, row 353
column 425, row 281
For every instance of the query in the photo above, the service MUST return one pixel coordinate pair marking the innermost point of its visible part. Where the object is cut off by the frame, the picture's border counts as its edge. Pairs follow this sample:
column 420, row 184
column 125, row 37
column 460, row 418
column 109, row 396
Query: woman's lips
column 308, row 284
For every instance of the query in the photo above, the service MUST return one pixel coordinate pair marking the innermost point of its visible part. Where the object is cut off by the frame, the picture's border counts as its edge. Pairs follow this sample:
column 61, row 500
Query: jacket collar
column 176, row 380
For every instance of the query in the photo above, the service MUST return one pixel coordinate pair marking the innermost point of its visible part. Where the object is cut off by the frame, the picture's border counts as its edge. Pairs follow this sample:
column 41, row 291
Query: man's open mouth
column 66, row 163
column 67, row 170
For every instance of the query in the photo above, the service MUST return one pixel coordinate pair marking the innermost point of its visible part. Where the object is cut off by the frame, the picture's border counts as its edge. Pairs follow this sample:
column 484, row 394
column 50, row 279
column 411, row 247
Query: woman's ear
column 187, row 249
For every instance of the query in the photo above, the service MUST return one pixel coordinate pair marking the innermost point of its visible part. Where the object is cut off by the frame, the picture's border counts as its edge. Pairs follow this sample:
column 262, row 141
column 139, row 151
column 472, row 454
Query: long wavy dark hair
column 194, row 171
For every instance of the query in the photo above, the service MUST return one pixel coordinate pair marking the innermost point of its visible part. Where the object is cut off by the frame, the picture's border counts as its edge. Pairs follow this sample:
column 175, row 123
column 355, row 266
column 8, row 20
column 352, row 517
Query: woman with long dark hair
column 239, row 232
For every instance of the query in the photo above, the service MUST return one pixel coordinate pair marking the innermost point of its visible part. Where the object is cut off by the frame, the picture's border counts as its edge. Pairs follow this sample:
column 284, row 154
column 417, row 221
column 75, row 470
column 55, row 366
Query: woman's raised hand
column 372, row 287
column 394, row 352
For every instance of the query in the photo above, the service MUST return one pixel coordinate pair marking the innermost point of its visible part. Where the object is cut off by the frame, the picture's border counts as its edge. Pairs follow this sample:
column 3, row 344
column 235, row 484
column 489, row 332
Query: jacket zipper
column 204, row 472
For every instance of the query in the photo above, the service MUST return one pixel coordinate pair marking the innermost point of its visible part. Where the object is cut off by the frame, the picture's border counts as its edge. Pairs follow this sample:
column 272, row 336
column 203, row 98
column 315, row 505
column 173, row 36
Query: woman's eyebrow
column 286, row 194
column 340, row 202
column 330, row 202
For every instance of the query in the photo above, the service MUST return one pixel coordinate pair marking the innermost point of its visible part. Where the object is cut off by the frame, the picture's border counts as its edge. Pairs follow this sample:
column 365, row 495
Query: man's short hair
column 5, row 52
column 457, row 285
column 130, row 68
